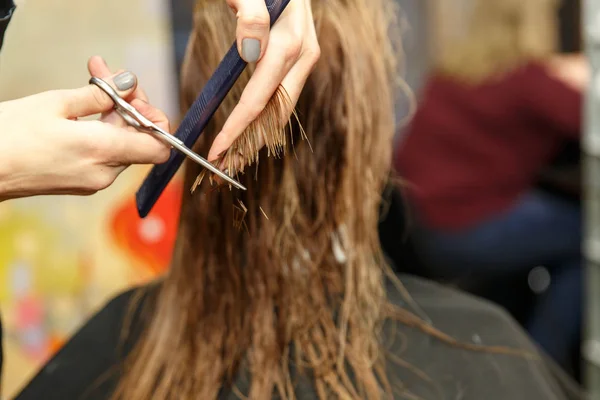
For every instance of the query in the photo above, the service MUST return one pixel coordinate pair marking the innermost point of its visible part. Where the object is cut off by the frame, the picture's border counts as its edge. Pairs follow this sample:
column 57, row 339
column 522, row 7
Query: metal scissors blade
column 134, row 118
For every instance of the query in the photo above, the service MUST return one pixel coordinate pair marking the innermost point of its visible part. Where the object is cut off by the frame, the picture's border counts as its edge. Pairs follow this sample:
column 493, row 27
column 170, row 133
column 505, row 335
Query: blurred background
column 61, row 258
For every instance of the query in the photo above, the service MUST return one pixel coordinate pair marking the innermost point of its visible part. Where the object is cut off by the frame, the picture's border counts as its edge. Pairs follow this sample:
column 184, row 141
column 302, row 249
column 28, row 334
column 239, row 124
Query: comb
column 195, row 120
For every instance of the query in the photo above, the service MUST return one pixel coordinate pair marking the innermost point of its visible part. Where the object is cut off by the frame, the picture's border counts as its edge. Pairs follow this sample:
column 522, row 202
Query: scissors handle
column 134, row 118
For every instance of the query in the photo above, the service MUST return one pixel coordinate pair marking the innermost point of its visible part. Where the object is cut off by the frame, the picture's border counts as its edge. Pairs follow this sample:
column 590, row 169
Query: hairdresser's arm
column 45, row 149
column 285, row 56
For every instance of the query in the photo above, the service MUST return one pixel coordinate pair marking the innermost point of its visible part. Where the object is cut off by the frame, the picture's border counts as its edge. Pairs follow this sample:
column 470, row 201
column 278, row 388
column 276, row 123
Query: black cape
column 88, row 366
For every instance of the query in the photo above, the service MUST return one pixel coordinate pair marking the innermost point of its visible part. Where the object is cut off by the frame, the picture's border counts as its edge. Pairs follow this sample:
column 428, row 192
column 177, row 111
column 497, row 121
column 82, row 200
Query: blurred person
column 497, row 109
column 283, row 291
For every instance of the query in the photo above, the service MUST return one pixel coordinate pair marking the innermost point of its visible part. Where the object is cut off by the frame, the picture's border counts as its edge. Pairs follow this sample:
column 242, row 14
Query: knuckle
column 101, row 180
column 99, row 177
column 57, row 99
column 252, row 110
column 313, row 54
column 61, row 98
column 293, row 48
column 98, row 147
column 163, row 154
column 161, row 118
column 257, row 22
column 100, row 98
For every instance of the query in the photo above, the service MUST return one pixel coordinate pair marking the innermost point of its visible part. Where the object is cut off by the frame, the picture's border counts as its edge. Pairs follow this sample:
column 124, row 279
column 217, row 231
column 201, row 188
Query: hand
column 45, row 149
column 573, row 70
column 286, row 56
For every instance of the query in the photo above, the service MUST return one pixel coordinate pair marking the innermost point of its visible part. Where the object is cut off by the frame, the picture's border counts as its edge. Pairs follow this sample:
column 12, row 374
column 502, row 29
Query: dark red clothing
column 470, row 151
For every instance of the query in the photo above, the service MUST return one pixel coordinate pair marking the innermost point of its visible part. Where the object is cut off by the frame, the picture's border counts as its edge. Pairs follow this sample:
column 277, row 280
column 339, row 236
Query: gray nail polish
column 124, row 81
column 250, row 50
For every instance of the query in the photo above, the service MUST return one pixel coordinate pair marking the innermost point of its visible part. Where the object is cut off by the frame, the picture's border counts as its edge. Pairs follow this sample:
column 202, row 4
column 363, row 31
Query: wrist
column 11, row 183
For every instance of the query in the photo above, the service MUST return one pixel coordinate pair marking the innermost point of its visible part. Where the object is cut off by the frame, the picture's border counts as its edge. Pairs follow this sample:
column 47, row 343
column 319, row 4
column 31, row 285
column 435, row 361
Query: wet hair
column 300, row 281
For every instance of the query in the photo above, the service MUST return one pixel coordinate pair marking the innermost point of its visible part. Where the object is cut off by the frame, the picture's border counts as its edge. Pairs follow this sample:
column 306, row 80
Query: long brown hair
column 302, row 282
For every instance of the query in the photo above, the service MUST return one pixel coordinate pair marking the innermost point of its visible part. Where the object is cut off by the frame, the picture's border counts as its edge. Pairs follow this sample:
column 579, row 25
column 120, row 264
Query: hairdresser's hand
column 45, row 149
column 285, row 56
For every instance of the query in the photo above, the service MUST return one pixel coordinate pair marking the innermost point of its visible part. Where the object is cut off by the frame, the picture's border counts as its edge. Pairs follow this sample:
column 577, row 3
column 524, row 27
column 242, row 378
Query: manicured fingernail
column 250, row 50
column 124, row 81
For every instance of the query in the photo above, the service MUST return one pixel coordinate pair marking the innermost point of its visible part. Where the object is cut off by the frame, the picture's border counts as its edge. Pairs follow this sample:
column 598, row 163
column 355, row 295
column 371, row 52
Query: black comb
column 197, row 117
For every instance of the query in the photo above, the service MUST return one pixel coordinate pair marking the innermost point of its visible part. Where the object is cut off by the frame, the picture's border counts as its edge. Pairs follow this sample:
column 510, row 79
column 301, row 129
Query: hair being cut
column 302, row 285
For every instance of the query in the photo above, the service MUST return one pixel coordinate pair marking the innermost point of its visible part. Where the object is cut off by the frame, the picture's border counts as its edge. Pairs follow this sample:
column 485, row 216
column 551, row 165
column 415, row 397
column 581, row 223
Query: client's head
column 498, row 36
column 298, row 282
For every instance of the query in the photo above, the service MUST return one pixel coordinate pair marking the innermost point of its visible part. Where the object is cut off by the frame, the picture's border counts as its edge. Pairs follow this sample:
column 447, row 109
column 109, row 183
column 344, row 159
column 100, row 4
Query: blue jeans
column 539, row 230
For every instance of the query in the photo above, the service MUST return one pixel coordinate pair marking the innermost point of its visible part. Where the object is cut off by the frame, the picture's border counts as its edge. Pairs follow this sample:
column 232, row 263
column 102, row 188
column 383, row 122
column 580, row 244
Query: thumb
column 90, row 99
column 253, row 23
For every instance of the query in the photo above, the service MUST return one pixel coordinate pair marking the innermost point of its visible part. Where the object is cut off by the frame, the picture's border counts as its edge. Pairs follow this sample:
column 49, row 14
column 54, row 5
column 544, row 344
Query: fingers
column 257, row 93
column 283, row 63
column 98, row 67
column 294, row 81
column 252, row 31
column 292, row 52
column 152, row 113
column 113, row 146
column 114, row 143
column 90, row 99
column 145, row 150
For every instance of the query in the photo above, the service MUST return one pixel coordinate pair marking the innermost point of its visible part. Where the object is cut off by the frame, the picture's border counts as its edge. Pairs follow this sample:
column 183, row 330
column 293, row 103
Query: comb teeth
column 197, row 117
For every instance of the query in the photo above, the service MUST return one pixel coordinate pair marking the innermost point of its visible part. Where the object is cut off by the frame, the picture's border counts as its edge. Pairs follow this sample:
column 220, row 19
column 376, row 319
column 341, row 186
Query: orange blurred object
column 55, row 344
column 149, row 240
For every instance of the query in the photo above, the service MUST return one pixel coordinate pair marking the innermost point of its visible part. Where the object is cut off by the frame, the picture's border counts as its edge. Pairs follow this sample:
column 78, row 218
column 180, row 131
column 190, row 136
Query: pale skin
column 287, row 56
column 45, row 149
column 572, row 69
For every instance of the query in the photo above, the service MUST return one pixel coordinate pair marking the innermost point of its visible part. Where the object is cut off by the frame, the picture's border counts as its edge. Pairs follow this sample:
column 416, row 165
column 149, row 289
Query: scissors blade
column 180, row 146
column 134, row 118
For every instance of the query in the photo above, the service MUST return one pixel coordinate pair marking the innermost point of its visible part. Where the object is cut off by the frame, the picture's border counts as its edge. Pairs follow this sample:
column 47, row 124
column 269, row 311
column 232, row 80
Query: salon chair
column 512, row 292
column 395, row 234
column 563, row 176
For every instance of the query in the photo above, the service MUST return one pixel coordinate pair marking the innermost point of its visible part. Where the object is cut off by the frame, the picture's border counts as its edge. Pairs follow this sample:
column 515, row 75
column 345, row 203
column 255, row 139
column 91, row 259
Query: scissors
column 134, row 118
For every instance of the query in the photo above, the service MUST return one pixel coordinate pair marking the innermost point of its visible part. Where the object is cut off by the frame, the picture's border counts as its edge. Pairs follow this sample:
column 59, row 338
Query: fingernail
column 125, row 80
column 250, row 50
